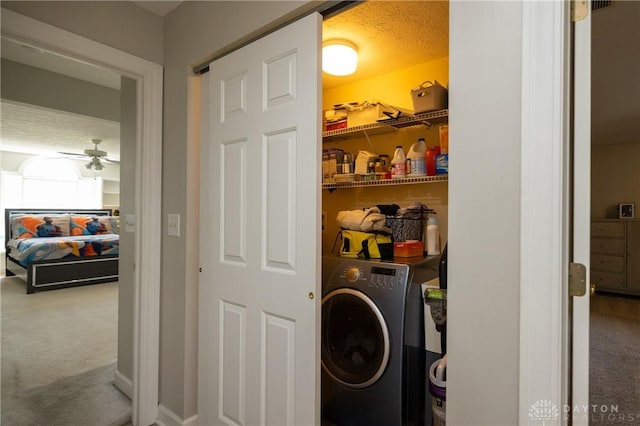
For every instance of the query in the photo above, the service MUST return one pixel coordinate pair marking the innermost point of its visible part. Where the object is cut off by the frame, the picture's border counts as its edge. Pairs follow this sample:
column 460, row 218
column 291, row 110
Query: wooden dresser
column 615, row 255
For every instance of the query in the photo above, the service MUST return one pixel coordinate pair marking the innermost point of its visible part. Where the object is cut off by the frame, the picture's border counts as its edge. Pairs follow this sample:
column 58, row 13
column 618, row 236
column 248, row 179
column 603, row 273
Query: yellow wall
column 394, row 89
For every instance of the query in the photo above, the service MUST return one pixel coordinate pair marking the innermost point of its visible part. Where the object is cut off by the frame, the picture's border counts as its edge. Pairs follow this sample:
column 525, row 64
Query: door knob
column 592, row 289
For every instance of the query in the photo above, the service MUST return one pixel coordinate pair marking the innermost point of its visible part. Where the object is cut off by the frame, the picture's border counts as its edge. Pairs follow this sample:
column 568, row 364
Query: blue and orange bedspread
column 28, row 250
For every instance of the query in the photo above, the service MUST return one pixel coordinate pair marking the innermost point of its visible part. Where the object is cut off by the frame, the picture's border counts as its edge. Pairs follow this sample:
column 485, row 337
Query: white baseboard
column 167, row 417
column 123, row 383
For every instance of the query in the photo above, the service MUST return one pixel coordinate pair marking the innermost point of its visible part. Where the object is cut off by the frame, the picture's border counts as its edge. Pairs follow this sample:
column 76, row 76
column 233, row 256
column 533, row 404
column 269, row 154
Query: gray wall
column 615, row 114
column 484, row 212
column 615, row 82
column 127, row 239
column 35, row 86
column 615, row 177
column 119, row 24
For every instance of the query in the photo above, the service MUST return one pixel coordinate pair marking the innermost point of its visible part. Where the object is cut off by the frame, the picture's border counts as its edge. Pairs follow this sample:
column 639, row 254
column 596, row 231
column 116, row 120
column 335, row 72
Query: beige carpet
column 614, row 370
column 59, row 355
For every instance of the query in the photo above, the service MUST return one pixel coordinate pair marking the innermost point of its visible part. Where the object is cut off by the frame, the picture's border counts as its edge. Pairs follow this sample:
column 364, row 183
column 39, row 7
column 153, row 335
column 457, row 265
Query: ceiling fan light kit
column 96, row 156
column 94, row 164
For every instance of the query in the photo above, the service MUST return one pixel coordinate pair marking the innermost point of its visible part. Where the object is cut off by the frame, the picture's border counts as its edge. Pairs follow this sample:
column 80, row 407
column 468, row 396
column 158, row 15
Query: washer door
column 355, row 338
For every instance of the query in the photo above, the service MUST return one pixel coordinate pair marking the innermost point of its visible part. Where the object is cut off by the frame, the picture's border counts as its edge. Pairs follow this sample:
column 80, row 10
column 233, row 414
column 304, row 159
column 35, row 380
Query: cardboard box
column 408, row 249
column 366, row 113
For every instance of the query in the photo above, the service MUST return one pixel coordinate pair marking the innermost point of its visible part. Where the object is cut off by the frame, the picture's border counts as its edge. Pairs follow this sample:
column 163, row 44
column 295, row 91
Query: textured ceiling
column 390, row 35
column 36, row 130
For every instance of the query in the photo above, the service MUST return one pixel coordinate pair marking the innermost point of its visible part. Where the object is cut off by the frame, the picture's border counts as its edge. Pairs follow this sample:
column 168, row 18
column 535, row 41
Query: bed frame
column 60, row 273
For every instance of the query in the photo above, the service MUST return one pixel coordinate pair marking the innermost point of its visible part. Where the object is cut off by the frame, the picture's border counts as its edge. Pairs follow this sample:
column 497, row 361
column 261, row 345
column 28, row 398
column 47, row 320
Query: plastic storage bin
column 429, row 96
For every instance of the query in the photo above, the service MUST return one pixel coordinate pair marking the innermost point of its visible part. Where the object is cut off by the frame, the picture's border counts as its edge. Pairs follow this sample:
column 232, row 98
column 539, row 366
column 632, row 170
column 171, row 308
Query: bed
column 54, row 248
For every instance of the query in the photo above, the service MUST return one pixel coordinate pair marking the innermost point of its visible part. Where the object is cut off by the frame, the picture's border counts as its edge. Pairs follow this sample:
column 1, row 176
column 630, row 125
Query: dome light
column 339, row 57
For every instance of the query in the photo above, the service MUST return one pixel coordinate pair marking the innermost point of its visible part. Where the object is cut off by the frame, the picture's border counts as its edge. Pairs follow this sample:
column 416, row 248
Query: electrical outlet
column 173, row 225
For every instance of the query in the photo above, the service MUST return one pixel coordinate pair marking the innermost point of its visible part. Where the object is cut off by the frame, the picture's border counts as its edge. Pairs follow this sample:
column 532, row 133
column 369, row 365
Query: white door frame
column 147, row 188
column 545, row 205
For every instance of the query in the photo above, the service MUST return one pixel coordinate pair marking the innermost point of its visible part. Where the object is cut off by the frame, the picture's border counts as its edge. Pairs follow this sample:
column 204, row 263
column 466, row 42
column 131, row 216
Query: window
column 49, row 183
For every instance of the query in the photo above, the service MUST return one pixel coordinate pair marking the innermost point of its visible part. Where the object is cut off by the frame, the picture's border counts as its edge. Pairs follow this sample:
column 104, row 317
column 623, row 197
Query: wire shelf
column 388, row 125
column 384, row 182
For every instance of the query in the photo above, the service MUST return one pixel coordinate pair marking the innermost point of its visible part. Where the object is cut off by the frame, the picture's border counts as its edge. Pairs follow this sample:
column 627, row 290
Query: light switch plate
column 129, row 223
column 174, row 225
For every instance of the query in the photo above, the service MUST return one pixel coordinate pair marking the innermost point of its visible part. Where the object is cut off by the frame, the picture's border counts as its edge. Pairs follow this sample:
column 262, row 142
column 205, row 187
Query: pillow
column 93, row 225
column 40, row 225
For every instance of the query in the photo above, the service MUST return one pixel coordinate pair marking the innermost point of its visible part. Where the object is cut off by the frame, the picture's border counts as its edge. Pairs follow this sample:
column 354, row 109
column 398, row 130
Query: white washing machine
column 373, row 347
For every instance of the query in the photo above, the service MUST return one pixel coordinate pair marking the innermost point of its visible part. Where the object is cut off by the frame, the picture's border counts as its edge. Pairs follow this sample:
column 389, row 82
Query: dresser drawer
column 607, row 245
column 607, row 279
column 607, row 229
column 607, row 263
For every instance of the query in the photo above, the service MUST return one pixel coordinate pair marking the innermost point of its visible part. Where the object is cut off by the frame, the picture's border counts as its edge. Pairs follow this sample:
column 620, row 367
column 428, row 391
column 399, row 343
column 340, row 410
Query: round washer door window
column 355, row 338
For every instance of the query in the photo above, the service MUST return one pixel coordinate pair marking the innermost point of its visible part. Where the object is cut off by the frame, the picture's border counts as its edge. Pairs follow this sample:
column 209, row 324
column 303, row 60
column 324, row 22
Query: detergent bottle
column 430, row 160
column 416, row 157
column 398, row 164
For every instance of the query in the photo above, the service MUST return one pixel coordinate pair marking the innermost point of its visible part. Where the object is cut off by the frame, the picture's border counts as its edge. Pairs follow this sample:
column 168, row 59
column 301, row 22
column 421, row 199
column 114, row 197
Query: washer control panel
column 383, row 276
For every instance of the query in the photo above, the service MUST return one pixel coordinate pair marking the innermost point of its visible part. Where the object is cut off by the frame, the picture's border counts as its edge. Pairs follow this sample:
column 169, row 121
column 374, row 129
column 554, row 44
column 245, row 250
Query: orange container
column 408, row 249
column 444, row 139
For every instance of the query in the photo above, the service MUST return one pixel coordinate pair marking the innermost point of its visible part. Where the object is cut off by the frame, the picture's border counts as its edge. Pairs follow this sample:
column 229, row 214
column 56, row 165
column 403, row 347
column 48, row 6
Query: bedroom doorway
column 45, row 133
column 44, row 165
column 141, row 84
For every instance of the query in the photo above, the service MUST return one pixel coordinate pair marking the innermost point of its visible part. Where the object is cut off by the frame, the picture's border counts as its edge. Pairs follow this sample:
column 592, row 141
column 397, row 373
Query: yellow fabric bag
column 357, row 244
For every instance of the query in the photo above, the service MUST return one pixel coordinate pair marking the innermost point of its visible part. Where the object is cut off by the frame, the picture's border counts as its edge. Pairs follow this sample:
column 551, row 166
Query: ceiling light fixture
column 94, row 164
column 339, row 57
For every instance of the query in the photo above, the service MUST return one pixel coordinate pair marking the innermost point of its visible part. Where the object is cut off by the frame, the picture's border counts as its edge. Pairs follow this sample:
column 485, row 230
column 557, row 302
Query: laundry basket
column 405, row 229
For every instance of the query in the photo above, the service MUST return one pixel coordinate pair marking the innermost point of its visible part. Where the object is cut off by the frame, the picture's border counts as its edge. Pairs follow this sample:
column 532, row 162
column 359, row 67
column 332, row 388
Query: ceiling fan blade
column 109, row 160
column 73, row 154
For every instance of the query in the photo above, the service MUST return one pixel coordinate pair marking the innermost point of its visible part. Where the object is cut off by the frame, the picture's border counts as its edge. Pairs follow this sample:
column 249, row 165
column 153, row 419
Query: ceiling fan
column 95, row 155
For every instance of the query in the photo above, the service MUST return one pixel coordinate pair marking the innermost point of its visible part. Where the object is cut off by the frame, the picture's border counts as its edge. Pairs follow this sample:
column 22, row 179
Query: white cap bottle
column 398, row 164
column 433, row 237
column 415, row 158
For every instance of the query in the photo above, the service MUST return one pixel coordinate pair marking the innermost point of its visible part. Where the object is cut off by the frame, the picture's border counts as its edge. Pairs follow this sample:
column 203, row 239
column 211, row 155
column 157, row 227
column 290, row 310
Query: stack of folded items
column 365, row 220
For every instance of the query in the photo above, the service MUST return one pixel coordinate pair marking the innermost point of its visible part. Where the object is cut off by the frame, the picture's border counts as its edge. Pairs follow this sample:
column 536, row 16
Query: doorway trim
column 147, row 187
column 544, row 209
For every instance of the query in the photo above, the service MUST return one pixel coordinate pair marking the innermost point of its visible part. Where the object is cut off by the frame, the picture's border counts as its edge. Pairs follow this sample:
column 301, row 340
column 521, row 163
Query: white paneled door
column 260, row 234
